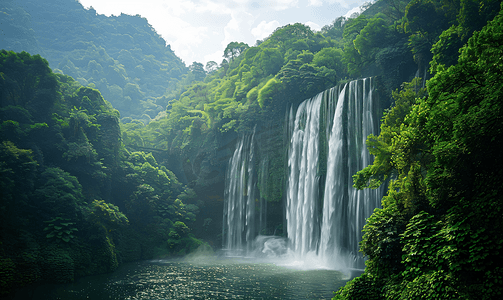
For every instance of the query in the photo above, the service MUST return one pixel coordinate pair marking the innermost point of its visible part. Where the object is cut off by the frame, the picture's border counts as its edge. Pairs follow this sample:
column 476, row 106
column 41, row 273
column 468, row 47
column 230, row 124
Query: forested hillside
column 255, row 86
column 122, row 56
column 87, row 187
column 74, row 201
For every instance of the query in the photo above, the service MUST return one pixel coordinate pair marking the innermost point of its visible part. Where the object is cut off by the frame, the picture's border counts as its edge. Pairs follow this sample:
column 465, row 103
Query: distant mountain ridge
column 123, row 56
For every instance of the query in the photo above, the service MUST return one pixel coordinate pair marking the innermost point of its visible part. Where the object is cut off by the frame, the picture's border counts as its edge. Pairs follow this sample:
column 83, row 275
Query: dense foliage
column 258, row 82
column 254, row 87
column 74, row 201
column 437, row 235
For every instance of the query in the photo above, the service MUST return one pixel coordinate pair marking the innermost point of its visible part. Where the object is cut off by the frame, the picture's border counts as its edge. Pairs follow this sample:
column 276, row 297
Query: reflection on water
column 209, row 278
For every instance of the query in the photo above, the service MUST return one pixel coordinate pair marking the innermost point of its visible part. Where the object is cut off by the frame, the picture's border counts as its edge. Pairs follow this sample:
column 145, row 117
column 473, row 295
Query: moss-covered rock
column 57, row 264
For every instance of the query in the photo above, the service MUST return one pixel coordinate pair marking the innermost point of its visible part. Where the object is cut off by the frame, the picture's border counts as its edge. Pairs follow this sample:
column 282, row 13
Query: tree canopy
column 68, row 185
column 437, row 234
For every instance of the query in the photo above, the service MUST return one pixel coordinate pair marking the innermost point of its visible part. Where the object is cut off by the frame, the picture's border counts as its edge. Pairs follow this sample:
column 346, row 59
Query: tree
column 17, row 167
column 303, row 79
column 395, row 9
column 425, row 21
column 106, row 215
column 27, row 81
column 330, row 58
column 211, row 67
column 197, row 69
column 234, row 49
column 269, row 60
column 351, row 57
column 335, row 29
column 268, row 92
column 372, row 37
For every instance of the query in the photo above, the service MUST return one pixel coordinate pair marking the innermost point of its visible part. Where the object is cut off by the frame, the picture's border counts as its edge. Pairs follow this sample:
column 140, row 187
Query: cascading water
column 324, row 213
column 239, row 203
column 334, row 206
column 303, row 180
column 345, row 208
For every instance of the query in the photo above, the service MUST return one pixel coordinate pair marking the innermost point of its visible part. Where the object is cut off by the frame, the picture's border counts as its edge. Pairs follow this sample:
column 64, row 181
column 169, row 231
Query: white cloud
column 313, row 26
column 185, row 44
column 352, row 11
column 217, row 57
column 238, row 28
column 212, row 7
column 199, row 30
column 174, row 8
column 275, row 5
column 285, row 4
column 264, row 29
column 343, row 3
column 315, row 3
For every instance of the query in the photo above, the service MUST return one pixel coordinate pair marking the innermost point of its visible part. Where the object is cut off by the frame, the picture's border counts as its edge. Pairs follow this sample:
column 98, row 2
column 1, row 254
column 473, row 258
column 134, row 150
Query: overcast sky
column 199, row 30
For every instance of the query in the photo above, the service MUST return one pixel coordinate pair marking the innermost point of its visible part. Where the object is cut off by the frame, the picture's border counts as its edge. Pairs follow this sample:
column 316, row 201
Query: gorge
column 118, row 158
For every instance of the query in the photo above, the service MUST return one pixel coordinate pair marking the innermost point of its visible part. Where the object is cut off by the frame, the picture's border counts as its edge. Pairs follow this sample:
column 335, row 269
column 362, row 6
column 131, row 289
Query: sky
column 199, row 30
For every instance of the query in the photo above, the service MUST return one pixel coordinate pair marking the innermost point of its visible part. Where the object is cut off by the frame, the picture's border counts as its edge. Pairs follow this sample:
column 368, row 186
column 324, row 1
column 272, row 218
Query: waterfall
column 303, row 180
column 334, row 185
column 239, row 199
column 324, row 213
column 352, row 113
column 345, row 208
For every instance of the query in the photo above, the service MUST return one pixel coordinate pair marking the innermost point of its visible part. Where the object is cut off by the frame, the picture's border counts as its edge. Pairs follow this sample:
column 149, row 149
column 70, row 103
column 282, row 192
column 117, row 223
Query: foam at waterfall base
column 275, row 250
column 269, row 246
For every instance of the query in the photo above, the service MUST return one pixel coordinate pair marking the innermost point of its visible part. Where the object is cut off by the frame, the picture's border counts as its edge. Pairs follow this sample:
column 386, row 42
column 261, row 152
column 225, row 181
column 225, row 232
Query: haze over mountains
column 122, row 56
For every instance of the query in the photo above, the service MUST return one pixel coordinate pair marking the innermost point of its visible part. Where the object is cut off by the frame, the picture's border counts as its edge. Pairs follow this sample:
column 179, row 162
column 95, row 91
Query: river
column 197, row 278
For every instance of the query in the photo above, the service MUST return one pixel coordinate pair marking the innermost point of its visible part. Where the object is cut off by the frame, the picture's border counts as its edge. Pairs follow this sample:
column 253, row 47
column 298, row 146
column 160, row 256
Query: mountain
column 122, row 56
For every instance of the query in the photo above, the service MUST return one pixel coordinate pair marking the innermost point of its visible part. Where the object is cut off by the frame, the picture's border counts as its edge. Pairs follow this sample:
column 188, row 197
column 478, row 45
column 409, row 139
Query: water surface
column 214, row 278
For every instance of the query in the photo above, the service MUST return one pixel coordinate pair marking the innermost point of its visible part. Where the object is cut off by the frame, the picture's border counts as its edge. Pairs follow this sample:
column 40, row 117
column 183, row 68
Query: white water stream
column 324, row 213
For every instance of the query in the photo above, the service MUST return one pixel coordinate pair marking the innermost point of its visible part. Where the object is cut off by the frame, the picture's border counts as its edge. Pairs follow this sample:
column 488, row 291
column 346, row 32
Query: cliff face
column 205, row 165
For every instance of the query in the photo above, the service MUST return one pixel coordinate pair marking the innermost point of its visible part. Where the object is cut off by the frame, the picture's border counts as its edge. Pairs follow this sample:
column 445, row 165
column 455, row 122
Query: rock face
column 204, row 163
column 264, row 169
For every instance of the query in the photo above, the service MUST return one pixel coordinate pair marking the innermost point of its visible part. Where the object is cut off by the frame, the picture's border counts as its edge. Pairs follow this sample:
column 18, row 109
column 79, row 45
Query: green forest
column 113, row 150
